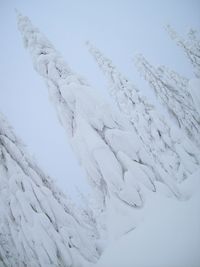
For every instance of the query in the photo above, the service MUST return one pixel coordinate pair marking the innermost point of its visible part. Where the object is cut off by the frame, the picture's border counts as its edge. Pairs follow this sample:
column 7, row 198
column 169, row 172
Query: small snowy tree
column 113, row 157
column 158, row 138
column 39, row 226
column 172, row 90
column 190, row 45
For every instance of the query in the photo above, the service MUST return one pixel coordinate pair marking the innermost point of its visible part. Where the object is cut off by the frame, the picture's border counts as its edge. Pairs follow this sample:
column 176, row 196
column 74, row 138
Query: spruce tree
column 172, row 154
column 39, row 225
column 172, row 90
column 190, row 46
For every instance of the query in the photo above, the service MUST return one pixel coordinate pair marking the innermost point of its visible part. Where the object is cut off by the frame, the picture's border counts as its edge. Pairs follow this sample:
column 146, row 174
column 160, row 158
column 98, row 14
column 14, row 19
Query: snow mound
column 168, row 236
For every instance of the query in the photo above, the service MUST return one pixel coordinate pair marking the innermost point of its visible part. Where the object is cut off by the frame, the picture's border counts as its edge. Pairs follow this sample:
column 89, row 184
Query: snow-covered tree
column 172, row 155
column 113, row 157
column 178, row 81
column 190, row 45
column 186, row 89
column 172, row 90
column 39, row 225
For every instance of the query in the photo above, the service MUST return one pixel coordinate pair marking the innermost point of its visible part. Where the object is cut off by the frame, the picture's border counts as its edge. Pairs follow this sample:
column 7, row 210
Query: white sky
column 119, row 28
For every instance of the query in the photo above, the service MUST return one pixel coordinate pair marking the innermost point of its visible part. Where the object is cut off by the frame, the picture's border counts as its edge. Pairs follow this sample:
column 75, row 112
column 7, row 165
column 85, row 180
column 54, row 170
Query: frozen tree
column 172, row 90
column 190, row 45
column 178, row 81
column 39, row 225
column 172, row 155
column 113, row 157
column 185, row 88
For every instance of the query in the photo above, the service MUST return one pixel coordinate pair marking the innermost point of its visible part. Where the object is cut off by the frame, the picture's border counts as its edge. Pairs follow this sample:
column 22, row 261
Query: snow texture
column 167, row 236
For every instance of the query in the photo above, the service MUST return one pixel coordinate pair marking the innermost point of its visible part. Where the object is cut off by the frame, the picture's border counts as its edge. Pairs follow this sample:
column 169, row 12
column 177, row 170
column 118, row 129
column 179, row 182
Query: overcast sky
column 120, row 28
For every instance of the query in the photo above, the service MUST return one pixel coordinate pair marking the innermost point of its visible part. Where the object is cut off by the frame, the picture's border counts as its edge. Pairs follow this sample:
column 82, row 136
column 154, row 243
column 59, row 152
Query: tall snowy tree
column 39, row 225
column 172, row 155
column 178, row 81
column 190, row 45
column 172, row 90
column 113, row 157
column 185, row 88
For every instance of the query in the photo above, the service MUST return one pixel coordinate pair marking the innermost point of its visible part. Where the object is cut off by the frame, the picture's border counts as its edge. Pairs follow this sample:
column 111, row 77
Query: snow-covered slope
column 39, row 226
column 168, row 234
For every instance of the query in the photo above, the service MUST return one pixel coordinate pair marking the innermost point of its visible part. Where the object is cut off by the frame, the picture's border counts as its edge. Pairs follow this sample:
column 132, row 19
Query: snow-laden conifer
column 173, row 155
column 39, row 225
column 172, row 90
column 190, row 45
